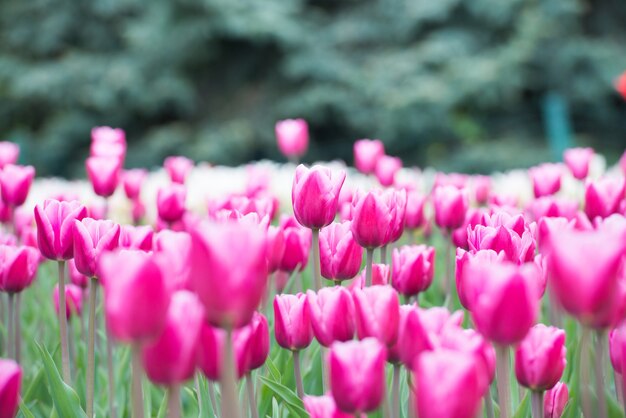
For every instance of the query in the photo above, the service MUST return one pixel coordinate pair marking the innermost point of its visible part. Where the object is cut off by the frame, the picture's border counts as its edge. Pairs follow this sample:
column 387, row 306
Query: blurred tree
column 208, row 78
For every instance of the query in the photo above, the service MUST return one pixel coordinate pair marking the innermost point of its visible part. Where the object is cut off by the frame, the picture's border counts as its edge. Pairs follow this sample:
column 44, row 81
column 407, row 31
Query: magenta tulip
column 133, row 181
column 136, row 237
column 55, row 226
column 171, row 358
column 340, row 254
column 210, row 356
column 10, row 385
column 450, row 205
column 375, row 217
column 275, row 248
column 136, row 298
column 540, row 358
column 255, row 336
column 469, row 276
column 171, row 202
column 615, row 349
column 178, row 168
column 578, row 161
column 413, row 269
column 470, row 341
column 604, row 196
column 357, row 375
column 386, row 169
column 546, row 179
column 381, row 275
column 76, row 277
column 73, row 300
column 414, row 213
column 292, row 322
column 555, row 401
column 366, row 154
column 377, row 313
column 18, row 267
column 413, row 337
column 15, row 182
column 297, row 246
column 549, row 206
column 104, row 174
column 108, row 142
column 315, row 195
column 173, row 251
column 332, row 314
column 324, row 407
column 292, row 136
column 482, row 189
column 91, row 239
column 137, row 211
column 473, row 217
column 9, row 153
column 516, row 248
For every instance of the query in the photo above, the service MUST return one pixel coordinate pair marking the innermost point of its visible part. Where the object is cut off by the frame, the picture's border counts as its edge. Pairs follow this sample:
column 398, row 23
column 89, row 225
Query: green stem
column 298, row 374
column 585, row 372
column 316, row 259
column 173, row 402
column 11, row 324
column 395, row 392
column 369, row 266
column 137, row 390
column 383, row 254
column 93, row 286
column 65, row 354
column 489, row 404
column 502, row 373
column 228, row 383
column 251, row 396
column 111, row 373
column 18, row 328
column 599, row 372
column 212, row 398
column 537, row 404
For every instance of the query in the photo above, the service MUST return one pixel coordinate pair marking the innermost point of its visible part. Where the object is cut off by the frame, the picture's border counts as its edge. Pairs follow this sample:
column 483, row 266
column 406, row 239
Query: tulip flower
column 178, row 168
column 414, row 213
column 173, row 250
column 604, row 196
column 332, row 314
column 325, row 407
column 211, row 348
column 357, row 375
column 540, row 358
column 340, row 255
column 620, row 85
column 377, row 313
column 133, row 181
column 9, row 153
column 315, row 195
column 10, row 384
column 276, row 248
column 460, row 235
column 458, row 395
column 450, row 205
column 555, row 401
column 263, row 206
column 297, row 246
column 381, row 275
column 516, row 248
column 91, row 239
column 15, row 182
column 136, row 237
column 578, row 161
column 292, row 137
column 386, row 169
column 414, row 337
column 460, row 181
column 108, row 142
column 104, row 174
column 546, row 179
column 171, row 202
column 366, row 154
column 76, row 277
column 73, row 300
column 481, row 186
column 549, row 206
column 413, row 269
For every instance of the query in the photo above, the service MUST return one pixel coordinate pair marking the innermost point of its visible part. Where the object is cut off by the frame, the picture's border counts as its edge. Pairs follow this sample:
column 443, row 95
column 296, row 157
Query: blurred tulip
column 136, row 237
column 276, row 248
column 460, row 235
column 555, row 401
column 357, row 375
column 173, row 250
column 375, row 215
column 332, row 314
column 481, row 186
column 137, row 211
column 178, row 168
column 292, row 322
column 292, row 136
column 578, row 160
column 315, row 195
column 15, row 182
column 413, row 269
column 136, row 298
column 603, row 197
column 458, row 395
column 546, row 179
column 386, row 169
column 615, row 349
column 413, row 337
column 340, row 254
column 381, row 275
column 18, row 267
column 73, row 300
column 458, row 180
column 450, row 204
column 91, row 239
column 620, row 85
column 133, row 181
column 517, row 249
column 230, row 286
column 256, row 338
column 414, row 214
column 324, row 407
column 470, row 341
column 108, row 142
column 366, row 154
column 469, row 282
column 10, row 386
column 540, row 358
column 377, row 311
column 263, row 206
column 171, row 202
column 171, row 358
column 104, row 174
column 76, row 277
column 297, row 246
column 210, row 357
column 55, row 225
column 549, row 206
column 9, row 153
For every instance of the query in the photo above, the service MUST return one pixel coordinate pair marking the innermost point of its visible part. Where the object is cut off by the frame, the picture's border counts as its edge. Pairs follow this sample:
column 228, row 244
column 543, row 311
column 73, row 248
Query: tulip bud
column 178, row 168
column 10, row 384
column 540, row 358
column 468, row 274
column 73, row 300
column 315, row 195
column 413, row 269
column 414, row 214
column 55, row 225
column 171, row 202
column 76, row 277
column 91, row 239
column 516, row 248
column 255, row 336
column 482, row 188
column 173, row 250
column 292, row 322
column 366, row 154
column 377, row 312
column 470, row 341
column 340, row 255
column 549, row 206
column 9, row 153
column 211, row 347
column 357, row 375
column 297, row 246
column 460, row 235
column 292, row 136
column 171, row 358
column 555, row 401
column 615, row 349
column 381, row 275
column 275, row 248
column 136, row 237
column 18, row 267
column 332, row 314
column 108, row 142
column 15, row 182
column 378, row 217
column 604, row 196
column 413, row 337
column 450, row 205
column 386, row 169
column 137, row 211
column 546, row 179
column 103, row 173
column 324, row 407
column 578, row 160
column 133, row 181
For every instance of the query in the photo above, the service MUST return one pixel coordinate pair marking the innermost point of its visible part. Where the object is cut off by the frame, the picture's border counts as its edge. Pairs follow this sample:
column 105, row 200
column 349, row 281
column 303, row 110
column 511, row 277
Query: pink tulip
column 91, row 239
column 10, row 384
column 171, row 358
column 55, row 225
column 481, row 186
column 381, row 275
column 133, row 181
column 332, row 314
column 458, row 390
column 604, row 196
column 178, row 168
column 468, row 274
column 9, row 153
column 460, row 181
column 437, row 319
column 615, row 349
column 413, row 337
column 377, row 312
column 578, row 160
column 386, row 169
column 136, row 297
column 292, row 136
column 73, row 300
column 357, row 375
column 292, row 322
column 76, row 277
column 473, row 217
column 516, row 248
column 340, row 255
column 555, row 401
column 18, row 267
column 255, row 337
column 136, row 237
column 549, row 206
column 230, row 286
column 376, row 216
column 297, row 246
column 104, row 174
column 15, row 182
column 324, row 407
column 171, row 202
column 138, row 211
column 366, row 154
column 173, row 250
column 546, row 179
column 414, row 214
column 108, row 142
column 470, row 341
column 507, row 307
column 263, row 206
column 98, row 210
column 315, row 195
column 585, row 270
column 540, row 358
column 413, row 269
column 276, row 248
column 450, row 206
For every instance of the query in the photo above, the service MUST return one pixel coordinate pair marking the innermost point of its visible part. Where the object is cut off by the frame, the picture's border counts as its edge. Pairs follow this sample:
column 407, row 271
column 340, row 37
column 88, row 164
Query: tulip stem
column 599, row 371
column 395, row 392
column 447, row 285
column 584, row 370
column 536, row 398
column 316, row 259
column 65, row 354
column 17, row 330
column 368, row 267
column 489, row 404
column 173, row 402
column 11, row 333
column 90, row 346
column 383, row 254
column 228, row 383
column 137, row 394
column 111, row 374
column 298, row 374
column 212, row 398
column 251, row 396
column 617, row 377
column 502, row 370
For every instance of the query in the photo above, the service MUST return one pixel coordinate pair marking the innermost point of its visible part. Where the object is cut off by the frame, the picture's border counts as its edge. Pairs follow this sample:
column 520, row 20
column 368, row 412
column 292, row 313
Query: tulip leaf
column 204, row 406
column 25, row 411
column 66, row 401
column 524, row 408
column 292, row 402
column 163, row 407
column 271, row 367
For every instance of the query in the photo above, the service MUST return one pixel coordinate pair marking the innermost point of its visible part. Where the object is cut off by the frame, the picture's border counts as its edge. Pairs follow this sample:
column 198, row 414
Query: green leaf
column 25, row 411
column 66, row 401
column 524, row 408
column 163, row 407
column 292, row 402
column 204, row 405
column 271, row 367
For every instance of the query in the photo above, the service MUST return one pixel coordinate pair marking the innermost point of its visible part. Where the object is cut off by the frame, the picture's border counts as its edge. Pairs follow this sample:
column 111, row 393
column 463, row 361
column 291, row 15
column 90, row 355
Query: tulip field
column 325, row 290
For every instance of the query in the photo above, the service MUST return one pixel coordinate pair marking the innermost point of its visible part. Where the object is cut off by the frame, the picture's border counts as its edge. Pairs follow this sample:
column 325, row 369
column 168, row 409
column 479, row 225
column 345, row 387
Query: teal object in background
column 557, row 124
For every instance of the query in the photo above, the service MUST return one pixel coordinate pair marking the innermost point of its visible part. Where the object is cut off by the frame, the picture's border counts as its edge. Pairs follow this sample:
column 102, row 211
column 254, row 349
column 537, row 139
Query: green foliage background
column 455, row 83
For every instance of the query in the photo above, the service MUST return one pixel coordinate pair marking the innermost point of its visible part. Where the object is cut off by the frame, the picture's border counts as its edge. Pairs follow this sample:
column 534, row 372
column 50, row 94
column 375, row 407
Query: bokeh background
column 466, row 85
